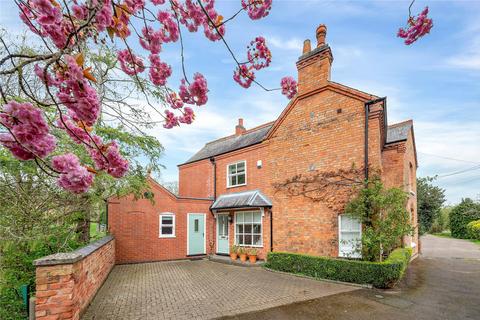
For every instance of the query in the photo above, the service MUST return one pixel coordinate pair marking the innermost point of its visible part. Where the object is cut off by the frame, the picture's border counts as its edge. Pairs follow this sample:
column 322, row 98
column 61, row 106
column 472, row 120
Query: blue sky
column 435, row 81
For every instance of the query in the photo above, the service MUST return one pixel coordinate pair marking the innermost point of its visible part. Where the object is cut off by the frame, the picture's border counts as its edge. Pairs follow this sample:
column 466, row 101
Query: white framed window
column 237, row 174
column 349, row 237
column 167, row 225
column 248, row 228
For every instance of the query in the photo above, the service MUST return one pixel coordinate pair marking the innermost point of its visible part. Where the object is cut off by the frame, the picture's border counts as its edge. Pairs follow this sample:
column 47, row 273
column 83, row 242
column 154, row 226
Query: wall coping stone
column 74, row 256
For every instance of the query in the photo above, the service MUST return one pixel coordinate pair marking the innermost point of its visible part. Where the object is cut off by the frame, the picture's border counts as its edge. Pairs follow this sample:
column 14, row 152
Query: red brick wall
column 136, row 226
column 196, row 179
column 63, row 291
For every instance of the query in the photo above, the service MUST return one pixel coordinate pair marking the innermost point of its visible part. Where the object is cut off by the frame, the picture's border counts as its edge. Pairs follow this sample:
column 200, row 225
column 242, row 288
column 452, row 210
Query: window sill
column 167, row 237
column 249, row 246
column 237, row 185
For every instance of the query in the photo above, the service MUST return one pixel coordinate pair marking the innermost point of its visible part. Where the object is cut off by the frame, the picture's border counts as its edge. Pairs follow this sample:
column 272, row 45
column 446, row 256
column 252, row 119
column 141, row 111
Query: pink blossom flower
column 73, row 176
column 244, row 76
column 134, row 5
column 289, row 87
column 104, row 17
column 159, row 71
column 187, row 116
column 157, row 2
column 130, row 63
column 174, row 100
column 257, row 9
column 258, row 53
column 151, row 40
column 46, row 77
column 196, row 92
column 191, row 15
column 171, row 120
column 107, row 157
column 418, row 27
column 28, row 135
column 210, row 30
column 77, row 95
column 78, row 134
column 80, row 11
column 169, row 31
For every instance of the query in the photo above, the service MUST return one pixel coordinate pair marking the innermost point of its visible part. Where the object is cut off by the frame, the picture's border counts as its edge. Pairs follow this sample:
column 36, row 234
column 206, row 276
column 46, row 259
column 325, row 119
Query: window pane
column 257, row 217
column 232, row 169
column 239, row 239
column 248, row 228
column 248, row 217
column 257, row 228
column 241, row 167
column 167, row 220
column 167, row 230
column 196, row 225
column 248, row 239
column 233, row 180
column 241, row 179
column 239, row 217
column 257, row 240
column 239, row 228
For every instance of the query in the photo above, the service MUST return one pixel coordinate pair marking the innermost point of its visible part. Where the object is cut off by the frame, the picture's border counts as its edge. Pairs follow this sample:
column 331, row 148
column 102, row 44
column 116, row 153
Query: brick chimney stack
column 239, row 128
column 314, row 66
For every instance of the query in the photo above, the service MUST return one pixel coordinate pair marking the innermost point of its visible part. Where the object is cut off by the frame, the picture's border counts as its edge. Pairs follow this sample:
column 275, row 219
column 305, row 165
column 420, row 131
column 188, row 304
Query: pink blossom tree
column 76, row 91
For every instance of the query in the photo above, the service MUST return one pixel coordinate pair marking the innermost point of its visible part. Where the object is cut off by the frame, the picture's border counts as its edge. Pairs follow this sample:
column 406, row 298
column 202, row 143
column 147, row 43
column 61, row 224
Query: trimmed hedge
column 473, row 230
column 379, row 274
column 461, row 215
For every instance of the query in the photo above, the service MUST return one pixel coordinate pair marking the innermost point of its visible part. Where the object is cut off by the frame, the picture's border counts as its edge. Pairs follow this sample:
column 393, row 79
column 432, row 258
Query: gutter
column 367, row 114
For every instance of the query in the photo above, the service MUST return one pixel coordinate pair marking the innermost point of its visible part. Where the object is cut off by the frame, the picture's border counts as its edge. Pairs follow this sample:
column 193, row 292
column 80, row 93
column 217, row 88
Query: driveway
column 199, row 290
column 443, row 283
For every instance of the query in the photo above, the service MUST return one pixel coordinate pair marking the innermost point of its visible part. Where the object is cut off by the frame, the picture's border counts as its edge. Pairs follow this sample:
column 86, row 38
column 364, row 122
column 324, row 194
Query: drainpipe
column 367, row 114
column 271, row 230
column 212, row 160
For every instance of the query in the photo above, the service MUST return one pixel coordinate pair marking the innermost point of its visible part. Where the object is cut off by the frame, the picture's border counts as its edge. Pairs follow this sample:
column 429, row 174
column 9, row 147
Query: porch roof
column 246, row 199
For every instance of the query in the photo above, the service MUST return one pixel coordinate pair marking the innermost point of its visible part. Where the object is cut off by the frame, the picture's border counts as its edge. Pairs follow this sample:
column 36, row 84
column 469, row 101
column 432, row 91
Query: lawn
column 447, row 234
column 95, row 234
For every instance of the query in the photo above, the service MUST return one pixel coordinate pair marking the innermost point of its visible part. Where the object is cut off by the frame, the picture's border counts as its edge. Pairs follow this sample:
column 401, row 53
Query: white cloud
column 286, row 44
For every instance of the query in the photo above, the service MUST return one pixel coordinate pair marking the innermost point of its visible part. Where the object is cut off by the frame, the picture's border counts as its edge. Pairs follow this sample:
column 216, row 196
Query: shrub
column 461, row 215
column 473, row 229
column 379, row 274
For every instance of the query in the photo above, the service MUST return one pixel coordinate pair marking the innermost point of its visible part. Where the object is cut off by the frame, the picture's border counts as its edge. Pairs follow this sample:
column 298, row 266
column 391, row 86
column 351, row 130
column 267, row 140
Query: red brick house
column 260, row 187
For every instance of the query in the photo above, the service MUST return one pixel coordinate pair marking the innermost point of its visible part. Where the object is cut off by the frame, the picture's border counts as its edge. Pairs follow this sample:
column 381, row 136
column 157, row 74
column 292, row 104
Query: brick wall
column 67, row 282
column 135, row 223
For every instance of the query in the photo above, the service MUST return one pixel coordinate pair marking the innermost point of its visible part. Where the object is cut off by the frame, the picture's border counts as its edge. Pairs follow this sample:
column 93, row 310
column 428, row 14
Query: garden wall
column 67, row 282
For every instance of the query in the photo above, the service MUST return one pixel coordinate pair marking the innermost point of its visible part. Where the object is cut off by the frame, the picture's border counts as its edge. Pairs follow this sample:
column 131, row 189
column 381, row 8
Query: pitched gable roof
column 231, row 143
column 399, row 131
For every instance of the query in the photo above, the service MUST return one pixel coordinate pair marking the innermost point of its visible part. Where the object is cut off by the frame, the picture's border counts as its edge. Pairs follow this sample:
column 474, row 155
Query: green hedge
column 379, row 274
column 461, row 215
column 473, row 230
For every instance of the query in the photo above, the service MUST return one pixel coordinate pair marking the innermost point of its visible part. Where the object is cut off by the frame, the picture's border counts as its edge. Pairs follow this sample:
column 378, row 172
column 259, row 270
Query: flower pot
column 243, row 257
column 233, row 256
column 252, row 259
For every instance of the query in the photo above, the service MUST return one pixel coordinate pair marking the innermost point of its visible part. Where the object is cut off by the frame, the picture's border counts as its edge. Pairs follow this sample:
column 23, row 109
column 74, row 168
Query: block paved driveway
column 199, row 290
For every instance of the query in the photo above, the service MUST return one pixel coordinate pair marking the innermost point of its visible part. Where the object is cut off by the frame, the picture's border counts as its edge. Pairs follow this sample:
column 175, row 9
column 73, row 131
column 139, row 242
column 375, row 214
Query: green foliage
column 379, row 274
column 442, row 221
column 461, row 215
column 384, row 218
column 430, row 200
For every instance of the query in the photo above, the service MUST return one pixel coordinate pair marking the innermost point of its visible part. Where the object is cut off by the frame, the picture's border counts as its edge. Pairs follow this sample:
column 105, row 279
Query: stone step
column 228, row 260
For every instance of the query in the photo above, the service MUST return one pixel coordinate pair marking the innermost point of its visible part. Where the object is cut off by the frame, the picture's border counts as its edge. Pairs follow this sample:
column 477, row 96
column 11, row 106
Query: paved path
column 443, row 283
column 199, row 290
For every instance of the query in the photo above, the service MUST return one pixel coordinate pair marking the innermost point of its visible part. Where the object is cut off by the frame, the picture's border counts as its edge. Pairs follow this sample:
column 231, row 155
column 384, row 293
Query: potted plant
column 233, row 252
column 243, row 254
column 252, row 255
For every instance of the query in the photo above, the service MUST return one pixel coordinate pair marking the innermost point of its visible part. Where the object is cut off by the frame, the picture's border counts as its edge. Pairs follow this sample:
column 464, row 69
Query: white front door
column 222, row 234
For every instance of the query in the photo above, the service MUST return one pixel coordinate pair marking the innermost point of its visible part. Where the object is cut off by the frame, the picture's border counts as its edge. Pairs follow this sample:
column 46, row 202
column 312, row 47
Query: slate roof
column 246, row 199
column 231, row 143
column 399, row 131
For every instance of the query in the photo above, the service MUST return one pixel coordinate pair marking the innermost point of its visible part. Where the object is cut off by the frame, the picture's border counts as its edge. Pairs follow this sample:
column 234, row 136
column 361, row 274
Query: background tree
column 430, row 199
column 461, row 215
column 384, row 217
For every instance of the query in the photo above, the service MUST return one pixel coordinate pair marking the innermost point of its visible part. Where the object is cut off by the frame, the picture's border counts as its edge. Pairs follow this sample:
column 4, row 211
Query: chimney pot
column 239, row 128
column 321, row 35
column 307, row 46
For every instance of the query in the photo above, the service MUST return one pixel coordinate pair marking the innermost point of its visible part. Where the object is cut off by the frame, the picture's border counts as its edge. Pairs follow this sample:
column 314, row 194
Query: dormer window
column 237, row 174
